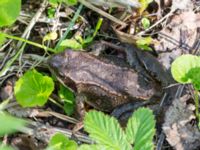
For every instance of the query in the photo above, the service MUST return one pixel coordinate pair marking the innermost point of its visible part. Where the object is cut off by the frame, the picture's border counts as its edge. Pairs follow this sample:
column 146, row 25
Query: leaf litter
column 179, row 34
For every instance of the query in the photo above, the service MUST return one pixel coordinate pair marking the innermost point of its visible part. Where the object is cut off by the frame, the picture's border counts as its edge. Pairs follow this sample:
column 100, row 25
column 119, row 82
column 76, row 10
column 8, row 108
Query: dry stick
column 57, row 115
column 40, row 131
column 33, row 21
column 25, row 35
column 158, row 22
column 87, row 4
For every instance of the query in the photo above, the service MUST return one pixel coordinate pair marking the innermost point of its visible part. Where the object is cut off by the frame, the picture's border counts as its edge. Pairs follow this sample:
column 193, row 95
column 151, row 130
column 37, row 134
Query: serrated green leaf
column 67, row 96
column 10, row 124
column 140, row 129
column 182, row 65
column 60, row 142
column 105, row 131
column 9, row 11
column 33, row 89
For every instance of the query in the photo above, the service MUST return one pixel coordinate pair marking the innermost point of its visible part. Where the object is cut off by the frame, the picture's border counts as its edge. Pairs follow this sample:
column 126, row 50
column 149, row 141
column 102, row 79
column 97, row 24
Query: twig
column 57, row 115
column 102, row 13
column 44, row 132
column 23, row 38
column 33, row 21
column 158, row 22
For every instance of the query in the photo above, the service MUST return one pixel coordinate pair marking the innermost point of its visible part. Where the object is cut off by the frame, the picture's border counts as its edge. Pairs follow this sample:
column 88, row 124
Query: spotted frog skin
column 105, row 83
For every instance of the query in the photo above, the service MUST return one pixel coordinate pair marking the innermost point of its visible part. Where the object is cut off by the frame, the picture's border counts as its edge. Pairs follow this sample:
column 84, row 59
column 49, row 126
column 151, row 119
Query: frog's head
column 56, row 64
column 59, row 63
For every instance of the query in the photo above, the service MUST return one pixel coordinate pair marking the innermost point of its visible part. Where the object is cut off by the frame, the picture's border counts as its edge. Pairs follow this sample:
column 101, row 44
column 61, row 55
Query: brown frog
column 106, row 83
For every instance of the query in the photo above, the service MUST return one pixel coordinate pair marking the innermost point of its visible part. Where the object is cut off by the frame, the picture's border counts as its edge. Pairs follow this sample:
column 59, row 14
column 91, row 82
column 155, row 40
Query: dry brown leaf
column 178, row 127
column 178, row 36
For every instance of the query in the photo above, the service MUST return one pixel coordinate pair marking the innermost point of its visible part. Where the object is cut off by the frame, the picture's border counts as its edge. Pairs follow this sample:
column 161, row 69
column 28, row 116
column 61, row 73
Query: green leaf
column 93, row 147
column 51, row 12
column 144, row 42
column 67, row 96
column 145, row 23
column 9, row 11
column 10, row 124
column 3, row 104
column 33, row 89
column 69, row 43
column 90, row 38
column 144, row 47
column 50, row 36
column 54, row 2
column 87, row 40
column 5, row 147
column 140, row 129
column 2, row 38
column 60, row 142
column 98, row 26
column 70, row 2
column 105, row 131
column 194, row 76
column 182, row 65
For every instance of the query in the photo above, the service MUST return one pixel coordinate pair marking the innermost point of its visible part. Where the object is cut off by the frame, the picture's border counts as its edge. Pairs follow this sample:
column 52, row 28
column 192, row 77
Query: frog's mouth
column 55, row 65
column 55, row 62
column 59, row 77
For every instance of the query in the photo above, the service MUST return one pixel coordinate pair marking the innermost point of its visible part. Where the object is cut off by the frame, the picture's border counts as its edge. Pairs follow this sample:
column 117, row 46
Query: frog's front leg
column 80, row 106
column 80, row 112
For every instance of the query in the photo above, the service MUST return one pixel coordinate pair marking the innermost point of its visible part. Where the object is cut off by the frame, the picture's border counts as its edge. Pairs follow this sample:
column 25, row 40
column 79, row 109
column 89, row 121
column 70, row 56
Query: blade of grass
column 28, row 42
column 70, row 25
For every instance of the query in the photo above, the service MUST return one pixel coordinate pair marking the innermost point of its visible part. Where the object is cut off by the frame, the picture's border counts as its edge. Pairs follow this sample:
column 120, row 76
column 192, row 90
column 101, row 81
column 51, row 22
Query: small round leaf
column 33, row 89
column 9, row 11
column 182, row 65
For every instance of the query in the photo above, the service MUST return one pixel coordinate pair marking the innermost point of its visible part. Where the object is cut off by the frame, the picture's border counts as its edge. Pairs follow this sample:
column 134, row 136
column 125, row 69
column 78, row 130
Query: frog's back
column 105, row 81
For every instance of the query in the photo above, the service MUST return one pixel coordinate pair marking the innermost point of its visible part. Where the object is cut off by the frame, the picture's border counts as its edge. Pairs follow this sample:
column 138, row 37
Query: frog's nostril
column 55, row 62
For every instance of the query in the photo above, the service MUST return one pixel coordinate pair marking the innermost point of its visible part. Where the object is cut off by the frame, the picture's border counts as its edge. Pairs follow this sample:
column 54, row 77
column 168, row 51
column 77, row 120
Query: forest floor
column 158, row 32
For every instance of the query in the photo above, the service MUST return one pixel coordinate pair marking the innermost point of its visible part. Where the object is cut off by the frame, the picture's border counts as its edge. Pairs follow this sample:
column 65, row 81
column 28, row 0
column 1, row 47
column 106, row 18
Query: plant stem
column 11, row 61
column 28, row 42
column 56, row 103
